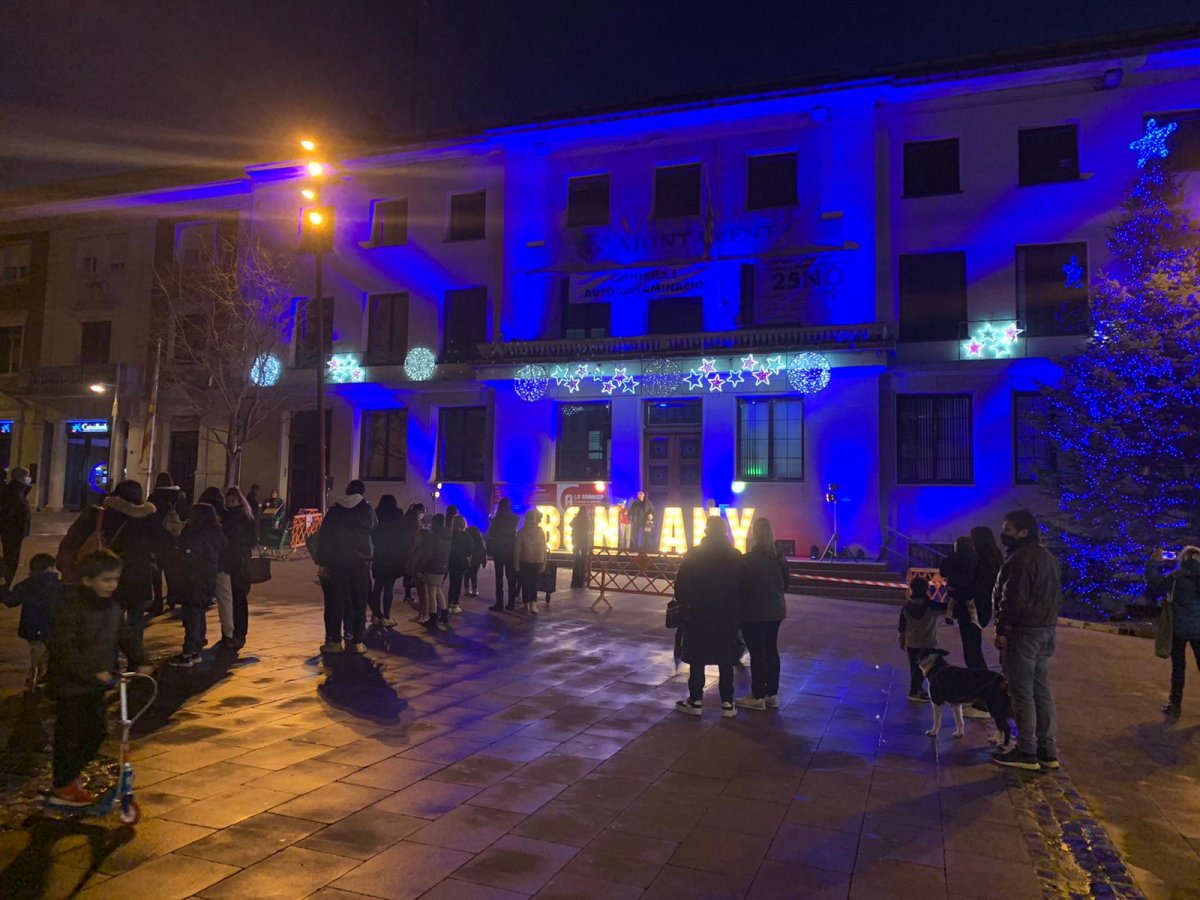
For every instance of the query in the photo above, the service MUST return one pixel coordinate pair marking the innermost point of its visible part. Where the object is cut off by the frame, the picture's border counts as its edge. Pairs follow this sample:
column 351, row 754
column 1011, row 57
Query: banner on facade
column 663, row 281
column 794, row 289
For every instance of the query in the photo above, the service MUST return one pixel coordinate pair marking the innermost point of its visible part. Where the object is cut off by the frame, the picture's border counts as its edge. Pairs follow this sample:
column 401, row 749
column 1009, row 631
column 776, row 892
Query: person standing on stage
column 641, row 521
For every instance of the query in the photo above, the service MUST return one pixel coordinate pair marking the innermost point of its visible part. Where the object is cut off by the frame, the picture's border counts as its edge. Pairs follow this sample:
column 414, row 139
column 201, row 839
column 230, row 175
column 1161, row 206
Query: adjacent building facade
column 834, row 306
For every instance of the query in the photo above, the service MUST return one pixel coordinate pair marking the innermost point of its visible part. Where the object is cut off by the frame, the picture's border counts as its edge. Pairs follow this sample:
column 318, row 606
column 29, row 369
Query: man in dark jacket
column 343, row 553
column 1026, row 599
column 502, row 548
column 707, row 588
column 14, row 520
column 641, row 521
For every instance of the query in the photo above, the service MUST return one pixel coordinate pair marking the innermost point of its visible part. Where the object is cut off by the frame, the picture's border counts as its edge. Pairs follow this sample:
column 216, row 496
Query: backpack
column 71, row 551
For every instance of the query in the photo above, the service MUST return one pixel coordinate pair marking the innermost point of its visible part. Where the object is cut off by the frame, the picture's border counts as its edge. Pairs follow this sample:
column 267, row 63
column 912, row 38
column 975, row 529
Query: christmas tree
column 1125, row 418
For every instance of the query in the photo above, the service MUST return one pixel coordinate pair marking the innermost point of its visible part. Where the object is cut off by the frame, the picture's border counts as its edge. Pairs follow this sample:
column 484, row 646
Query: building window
column 191, row 332
column 677, row 191
column 934, row 439
column 462, row 443
column 931, row 168
column 584, row 441
column 10, row 349
column 389, row 223
column 1047, row 155
column 384, row 443
column 676, row 315
column 933, row 295
column 387, row 329
column 771, row 181
column 667, row 414
column 770, row 439
column 581, row 321
column 95, row 340
column 308, row 338
column 468, row 216
column 1050, row 301
column 116, row 248
column 15, row 261
column 465, row 324
column 89, row 255
column 587, row 200
column 1184, row 142
column 195, row 243
column 1033, row 451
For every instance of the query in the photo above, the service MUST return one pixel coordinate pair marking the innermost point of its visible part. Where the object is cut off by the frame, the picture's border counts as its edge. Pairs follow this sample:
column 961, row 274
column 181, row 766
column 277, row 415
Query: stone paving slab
column 510, row 756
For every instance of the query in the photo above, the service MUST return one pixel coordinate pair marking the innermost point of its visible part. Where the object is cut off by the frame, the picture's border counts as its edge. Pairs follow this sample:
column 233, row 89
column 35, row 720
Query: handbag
column 258, row 569
column 1164, row 632
column 675, row 616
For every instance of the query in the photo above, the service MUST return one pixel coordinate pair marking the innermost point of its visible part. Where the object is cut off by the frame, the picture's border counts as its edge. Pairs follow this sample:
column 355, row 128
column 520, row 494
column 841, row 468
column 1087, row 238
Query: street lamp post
column 316, row 226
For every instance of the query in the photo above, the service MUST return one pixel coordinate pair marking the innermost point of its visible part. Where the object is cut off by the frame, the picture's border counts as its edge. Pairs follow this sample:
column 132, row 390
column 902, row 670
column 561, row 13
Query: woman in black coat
column 392, row 539
column 708, row 587
column 958, row 569
column 762, row 610
column 238, row 526
column 133, row 532
column 201, row 546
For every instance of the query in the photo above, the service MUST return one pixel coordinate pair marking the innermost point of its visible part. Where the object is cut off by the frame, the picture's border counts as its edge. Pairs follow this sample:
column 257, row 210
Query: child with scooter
column 83, row 652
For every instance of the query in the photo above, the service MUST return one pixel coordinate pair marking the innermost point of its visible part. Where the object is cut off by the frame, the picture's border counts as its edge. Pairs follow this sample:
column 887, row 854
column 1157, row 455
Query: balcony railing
column 872, row 336
column 68, row 380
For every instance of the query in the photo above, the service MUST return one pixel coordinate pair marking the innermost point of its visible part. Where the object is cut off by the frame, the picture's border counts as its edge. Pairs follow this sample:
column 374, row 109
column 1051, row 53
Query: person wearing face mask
column 1027, row 598
column 14, row 519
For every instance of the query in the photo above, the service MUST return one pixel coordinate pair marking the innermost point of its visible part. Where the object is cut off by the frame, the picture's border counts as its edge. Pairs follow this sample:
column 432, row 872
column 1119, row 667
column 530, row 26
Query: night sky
column 96, row 86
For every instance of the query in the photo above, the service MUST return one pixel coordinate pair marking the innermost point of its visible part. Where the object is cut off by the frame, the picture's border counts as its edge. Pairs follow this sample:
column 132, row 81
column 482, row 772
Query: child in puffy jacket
column 36, row 596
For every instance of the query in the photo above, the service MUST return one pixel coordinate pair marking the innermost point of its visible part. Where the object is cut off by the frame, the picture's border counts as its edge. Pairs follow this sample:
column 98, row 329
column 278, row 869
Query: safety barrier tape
column 900, row 585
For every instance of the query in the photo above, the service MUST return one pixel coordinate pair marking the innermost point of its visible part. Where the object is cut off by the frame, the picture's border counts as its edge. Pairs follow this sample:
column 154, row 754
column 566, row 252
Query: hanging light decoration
column 530, row 382
column 660, row 378
column 343, row 368
column 420, row 364
column 266, row 370
column 808, row 372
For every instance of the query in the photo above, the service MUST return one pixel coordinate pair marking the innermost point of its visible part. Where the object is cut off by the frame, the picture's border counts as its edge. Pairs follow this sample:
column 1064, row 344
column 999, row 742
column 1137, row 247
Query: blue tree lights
column 1125, row 420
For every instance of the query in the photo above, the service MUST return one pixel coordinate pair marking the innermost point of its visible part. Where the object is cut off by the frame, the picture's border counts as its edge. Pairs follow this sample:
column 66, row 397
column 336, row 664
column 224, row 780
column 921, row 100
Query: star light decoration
column 809, row 373
column 992, row 340
column 1153, row 143
column 706, row 375
column 420, row 364
column 266, row 370
column 343, row 368
column 572, row 378
column 530, row 383
column 1074, row 272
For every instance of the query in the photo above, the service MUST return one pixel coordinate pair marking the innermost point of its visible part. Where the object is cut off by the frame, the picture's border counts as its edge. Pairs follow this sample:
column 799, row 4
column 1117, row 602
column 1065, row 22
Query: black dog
column 957, row 686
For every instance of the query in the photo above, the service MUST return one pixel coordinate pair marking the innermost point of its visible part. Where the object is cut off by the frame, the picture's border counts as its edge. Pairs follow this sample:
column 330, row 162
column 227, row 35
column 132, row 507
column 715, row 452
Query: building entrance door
column 671, row 474
column 87, row 463
column 304, row 475
column 181, row 461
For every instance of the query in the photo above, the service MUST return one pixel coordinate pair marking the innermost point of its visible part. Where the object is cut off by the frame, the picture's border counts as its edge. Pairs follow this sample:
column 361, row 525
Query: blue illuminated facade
column 886, row 226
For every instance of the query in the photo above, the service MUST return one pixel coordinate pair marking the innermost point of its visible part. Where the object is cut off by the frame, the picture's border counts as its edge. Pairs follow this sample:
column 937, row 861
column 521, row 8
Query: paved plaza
column 510, row 757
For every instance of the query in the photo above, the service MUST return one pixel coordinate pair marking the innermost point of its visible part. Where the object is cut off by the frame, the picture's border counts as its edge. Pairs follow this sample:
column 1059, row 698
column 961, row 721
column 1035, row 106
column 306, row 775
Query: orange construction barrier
column 305, row 523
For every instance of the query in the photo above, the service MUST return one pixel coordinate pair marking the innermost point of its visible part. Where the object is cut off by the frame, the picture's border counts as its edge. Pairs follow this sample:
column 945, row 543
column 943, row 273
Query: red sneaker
column 74, row 794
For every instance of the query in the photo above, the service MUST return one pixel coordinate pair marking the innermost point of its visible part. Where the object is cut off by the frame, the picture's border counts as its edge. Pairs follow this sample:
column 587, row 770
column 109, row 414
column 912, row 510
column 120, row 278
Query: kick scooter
column 122, row 791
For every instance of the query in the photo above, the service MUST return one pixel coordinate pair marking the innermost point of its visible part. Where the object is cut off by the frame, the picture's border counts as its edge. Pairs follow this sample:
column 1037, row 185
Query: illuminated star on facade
column 1153, row 143
column 1074, row 272
column 762, row 376
column 581, row 371
column 973, row 348
column 573, row 385
column 775, row 364
column 735, row 379
column 609, row 387
column 630, row 385
column 1012, row 332
column 695, row 380
column 709, row 366
column 749, row 363
column 620, row 376
column 715, row 382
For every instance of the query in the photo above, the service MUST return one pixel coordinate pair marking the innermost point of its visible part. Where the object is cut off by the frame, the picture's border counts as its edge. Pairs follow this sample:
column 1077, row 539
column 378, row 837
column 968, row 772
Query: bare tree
column 227, row 316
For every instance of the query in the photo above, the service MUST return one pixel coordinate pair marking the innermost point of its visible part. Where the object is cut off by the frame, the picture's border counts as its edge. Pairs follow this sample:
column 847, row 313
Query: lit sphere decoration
column 530, row 382
column 420, row 364
column 661, row 378
column 808, row 372
column 266, row 370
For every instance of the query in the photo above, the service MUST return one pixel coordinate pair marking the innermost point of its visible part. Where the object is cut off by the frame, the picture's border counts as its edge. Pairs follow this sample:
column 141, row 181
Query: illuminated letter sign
column 674, row 538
